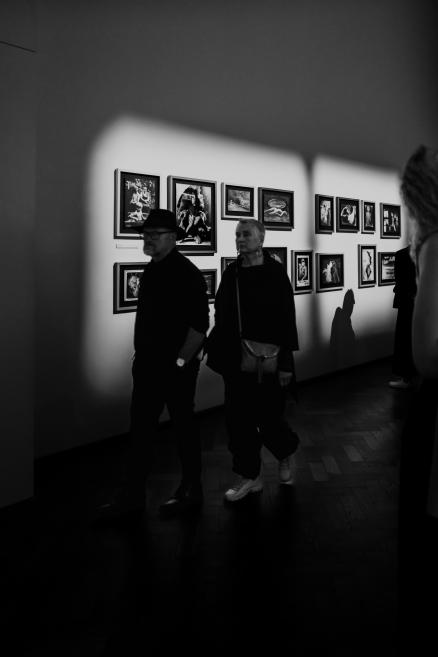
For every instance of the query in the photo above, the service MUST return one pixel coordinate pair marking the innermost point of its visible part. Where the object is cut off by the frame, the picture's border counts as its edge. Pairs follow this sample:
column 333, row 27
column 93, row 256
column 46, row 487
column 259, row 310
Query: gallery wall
column 310, row 106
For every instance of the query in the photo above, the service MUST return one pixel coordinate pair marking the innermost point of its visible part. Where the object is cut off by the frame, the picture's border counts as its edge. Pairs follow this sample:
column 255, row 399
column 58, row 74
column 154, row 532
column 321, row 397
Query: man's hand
column 285, row 378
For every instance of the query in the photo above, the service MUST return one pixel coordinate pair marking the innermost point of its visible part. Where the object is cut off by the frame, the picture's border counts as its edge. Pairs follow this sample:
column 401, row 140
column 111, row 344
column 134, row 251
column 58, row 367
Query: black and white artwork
column 194, row 203
column 302, row 271
column 237, row 202
column 324, row 213
column 368, row 215
column 279, row 253
column 136, row 194
column 276, row 208
column 386, row 263
column 225, row 261
column 126, row 285
column 390, row 221
column 347, row 215
column 366, row 265
column 210, row 276
column 329, row 271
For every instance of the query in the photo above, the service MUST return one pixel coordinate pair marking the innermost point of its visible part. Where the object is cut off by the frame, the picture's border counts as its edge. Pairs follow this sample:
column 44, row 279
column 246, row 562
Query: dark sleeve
column 198, row 314
column 290, row 334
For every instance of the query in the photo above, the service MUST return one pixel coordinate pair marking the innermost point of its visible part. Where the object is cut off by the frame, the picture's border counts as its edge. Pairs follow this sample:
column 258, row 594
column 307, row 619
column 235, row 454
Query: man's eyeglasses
column 155, row 234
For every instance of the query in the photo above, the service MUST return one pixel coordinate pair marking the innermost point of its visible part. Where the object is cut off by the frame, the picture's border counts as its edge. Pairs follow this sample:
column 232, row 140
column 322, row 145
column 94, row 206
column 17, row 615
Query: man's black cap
column 159, row 218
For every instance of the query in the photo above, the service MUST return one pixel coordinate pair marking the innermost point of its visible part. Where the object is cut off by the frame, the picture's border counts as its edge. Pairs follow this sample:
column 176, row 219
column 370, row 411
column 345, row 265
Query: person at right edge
column 418, row 473
column 254, row 406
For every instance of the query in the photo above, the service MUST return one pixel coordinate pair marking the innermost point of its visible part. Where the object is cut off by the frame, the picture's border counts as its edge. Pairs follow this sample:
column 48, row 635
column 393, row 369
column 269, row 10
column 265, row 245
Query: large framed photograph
column 237, row 202
column 194, row 203
column 366, row 255
column 136, row 194
column 279, row 253
column 126, row 285
column 210, row 276
column 390, row 221
column 302, row 271
column 347, row 215
column 276, row 208
column 225, row 261
column 329, row 271
column 386, row 262
column 368, row 216
column 324, row 213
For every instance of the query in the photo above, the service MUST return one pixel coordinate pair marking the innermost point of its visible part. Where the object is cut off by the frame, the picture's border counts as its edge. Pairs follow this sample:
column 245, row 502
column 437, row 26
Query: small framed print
column 366, row 265
column 210, row 276
column 324, row 213
column 279, row 253
column 368, row 216
column 136, row 194
column 390, row 221
column 237, row 202
column 126, row 286
column 347, row 215
column 194, row 203
column 302, row 271
column 329, row 271
column 276, row 208
column 386, row 262
column 225, row 262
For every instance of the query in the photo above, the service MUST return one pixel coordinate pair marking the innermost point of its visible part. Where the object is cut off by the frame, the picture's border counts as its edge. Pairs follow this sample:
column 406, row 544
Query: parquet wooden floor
column 310, row 567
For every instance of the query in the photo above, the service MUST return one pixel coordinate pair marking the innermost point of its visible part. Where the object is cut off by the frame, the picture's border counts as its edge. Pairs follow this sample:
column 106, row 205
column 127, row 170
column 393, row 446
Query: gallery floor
column 308, row 569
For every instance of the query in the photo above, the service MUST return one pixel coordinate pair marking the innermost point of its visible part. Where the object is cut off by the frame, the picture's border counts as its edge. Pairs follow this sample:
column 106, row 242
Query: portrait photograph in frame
column 126, row 285
column 276, row 208
column 237, row 202
column 347, row 215
column 225, row 261
column 302, row 271
column 136, row 194
column 329, row 271
column 324, row 213
column 368, row 217
column 366, row 256
column 279, row 253
column 386, row 263
column 390, row 221
column 194, row 204
column 210, row 276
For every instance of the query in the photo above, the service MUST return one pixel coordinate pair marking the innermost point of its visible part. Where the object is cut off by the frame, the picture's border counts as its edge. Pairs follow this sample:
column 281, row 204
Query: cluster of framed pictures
column 353, row 215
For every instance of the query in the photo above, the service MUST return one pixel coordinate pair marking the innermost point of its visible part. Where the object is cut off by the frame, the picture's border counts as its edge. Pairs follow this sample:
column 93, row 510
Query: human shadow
column 342, row 336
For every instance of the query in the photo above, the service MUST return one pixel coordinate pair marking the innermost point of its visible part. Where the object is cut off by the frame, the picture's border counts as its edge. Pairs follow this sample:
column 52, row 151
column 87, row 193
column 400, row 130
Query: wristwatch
column 180, row 362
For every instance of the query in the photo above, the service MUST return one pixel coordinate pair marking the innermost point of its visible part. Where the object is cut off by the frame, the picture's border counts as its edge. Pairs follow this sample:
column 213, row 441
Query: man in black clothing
column 171, row 323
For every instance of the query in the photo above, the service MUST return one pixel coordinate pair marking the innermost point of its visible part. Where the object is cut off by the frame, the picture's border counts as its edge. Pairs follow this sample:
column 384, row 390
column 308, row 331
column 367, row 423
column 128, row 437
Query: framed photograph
column 225, row 262
column 368, row 217
column 237, row 202
column 194, row 203
column 126, row 286
column 136, row 194
column 366, row 255
column 390, row 221
column 386, row 262
column 276, row 208
column 329, row 271
column 347, row 215
column 324, row 213
column 279, row 253
column 302, row 271
column 210, row 276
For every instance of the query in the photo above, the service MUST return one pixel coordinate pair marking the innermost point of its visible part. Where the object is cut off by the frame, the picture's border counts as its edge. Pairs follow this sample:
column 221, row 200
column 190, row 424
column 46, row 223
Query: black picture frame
column 302, row 271
column 368, row 217
column 329, row 272
column 126, row 281
column 347, row 215
column 194, row 203
column 210, row 276
column 136, row 194
column 279, row 253
column 366, row 260
column 237, row 201
column 276, row 208
column 390, row 221
column 386, row 264
column 324, row 213
column 225, row 261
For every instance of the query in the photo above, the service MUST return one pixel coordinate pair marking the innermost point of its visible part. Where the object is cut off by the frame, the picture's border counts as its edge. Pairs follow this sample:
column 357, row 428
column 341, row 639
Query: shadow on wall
column 342, row 337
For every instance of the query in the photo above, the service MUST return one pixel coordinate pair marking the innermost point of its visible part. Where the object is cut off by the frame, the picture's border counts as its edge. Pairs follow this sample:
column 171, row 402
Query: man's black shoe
column 185, row 500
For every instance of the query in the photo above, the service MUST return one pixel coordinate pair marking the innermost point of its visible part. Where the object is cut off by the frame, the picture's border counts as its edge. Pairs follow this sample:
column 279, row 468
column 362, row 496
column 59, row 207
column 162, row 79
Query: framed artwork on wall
column 302, row 271
column 126, row 286
column 136, row 194
column 279, row 253
column 368, row 217
column 276, row 208
column 390, row 221
column 225, row 262
column 324, row 213
column 366, row 255
column 237, row 202
column 194, row 203
column 386, row 262
column 347, row 215
column 329, row 271
column 210, row 276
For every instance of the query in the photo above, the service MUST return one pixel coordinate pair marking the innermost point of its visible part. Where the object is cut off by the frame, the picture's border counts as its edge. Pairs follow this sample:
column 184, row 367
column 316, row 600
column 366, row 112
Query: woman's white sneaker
column 285, row 470
column 242, row 488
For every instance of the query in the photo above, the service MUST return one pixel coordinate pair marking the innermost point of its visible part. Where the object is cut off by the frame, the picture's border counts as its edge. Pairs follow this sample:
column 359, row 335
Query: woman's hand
column 285, row 378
